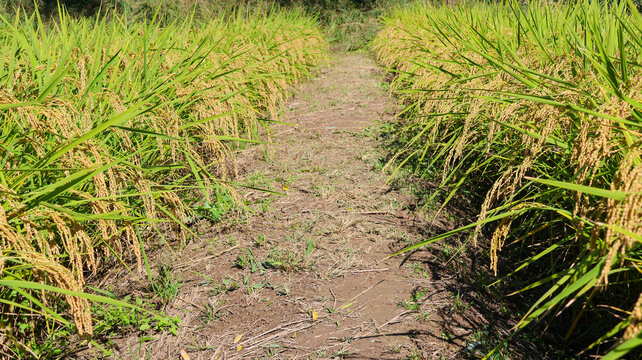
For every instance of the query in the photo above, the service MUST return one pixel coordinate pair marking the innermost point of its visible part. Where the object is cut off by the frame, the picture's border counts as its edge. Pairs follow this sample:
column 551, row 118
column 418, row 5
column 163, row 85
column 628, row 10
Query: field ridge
column 305, row 276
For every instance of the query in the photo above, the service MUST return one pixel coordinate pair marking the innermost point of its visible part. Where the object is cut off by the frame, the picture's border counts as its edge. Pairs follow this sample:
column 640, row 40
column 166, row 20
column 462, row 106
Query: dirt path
column 304, row 277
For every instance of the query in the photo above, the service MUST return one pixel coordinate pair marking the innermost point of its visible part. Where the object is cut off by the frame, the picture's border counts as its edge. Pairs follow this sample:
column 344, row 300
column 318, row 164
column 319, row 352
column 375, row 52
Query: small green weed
column 283, row 259
column 414, row 302
column 214, row 209
column 212, row 311
column 111, row 318
column 227, row 284
column 260, row 240
column 424, row 316
column 418, row 269
column 485, row 339
column 458, row 305
column 247, row 260
column 165, row 286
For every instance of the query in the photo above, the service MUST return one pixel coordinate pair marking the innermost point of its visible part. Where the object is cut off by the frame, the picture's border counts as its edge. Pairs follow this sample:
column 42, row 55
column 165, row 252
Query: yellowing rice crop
column 540, row 104
column 109, row 128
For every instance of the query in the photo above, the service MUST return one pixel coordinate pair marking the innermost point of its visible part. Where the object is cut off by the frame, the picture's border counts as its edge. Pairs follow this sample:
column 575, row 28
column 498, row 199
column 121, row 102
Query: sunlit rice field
column 120, row 127
column 541, row 107
column 111, row 130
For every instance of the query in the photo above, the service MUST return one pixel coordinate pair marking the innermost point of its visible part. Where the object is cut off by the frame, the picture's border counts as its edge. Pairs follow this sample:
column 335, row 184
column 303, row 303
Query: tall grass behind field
column 541, row 107
column 110, row 128
column 350, row 24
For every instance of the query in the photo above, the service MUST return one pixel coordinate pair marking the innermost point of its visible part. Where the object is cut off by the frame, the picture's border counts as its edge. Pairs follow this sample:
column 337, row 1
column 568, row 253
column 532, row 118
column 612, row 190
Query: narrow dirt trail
column 304, row 276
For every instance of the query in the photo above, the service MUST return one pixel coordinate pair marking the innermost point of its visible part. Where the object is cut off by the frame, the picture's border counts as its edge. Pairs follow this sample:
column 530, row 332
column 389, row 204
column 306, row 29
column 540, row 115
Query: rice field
column 114, row 130
column 118, row 132
column 538, row 108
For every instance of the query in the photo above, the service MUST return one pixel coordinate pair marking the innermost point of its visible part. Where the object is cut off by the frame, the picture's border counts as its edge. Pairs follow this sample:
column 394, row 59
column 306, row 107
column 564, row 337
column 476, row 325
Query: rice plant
column 109, row 127
column 540, row 106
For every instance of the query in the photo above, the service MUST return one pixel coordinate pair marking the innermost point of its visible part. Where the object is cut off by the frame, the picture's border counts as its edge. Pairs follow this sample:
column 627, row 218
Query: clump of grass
column 165, row 285
column 111, row 127
column 538, row 107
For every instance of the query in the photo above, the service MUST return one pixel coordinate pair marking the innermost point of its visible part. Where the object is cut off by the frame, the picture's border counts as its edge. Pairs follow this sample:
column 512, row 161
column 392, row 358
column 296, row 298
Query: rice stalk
column 547, row 97
column 108, row 126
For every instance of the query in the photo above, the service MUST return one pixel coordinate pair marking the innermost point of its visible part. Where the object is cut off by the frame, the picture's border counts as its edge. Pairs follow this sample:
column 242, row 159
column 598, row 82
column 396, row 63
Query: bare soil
column 306, row 275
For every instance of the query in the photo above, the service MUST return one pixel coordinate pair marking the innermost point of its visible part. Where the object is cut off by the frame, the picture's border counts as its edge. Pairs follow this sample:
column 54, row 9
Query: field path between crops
column 304, row 276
